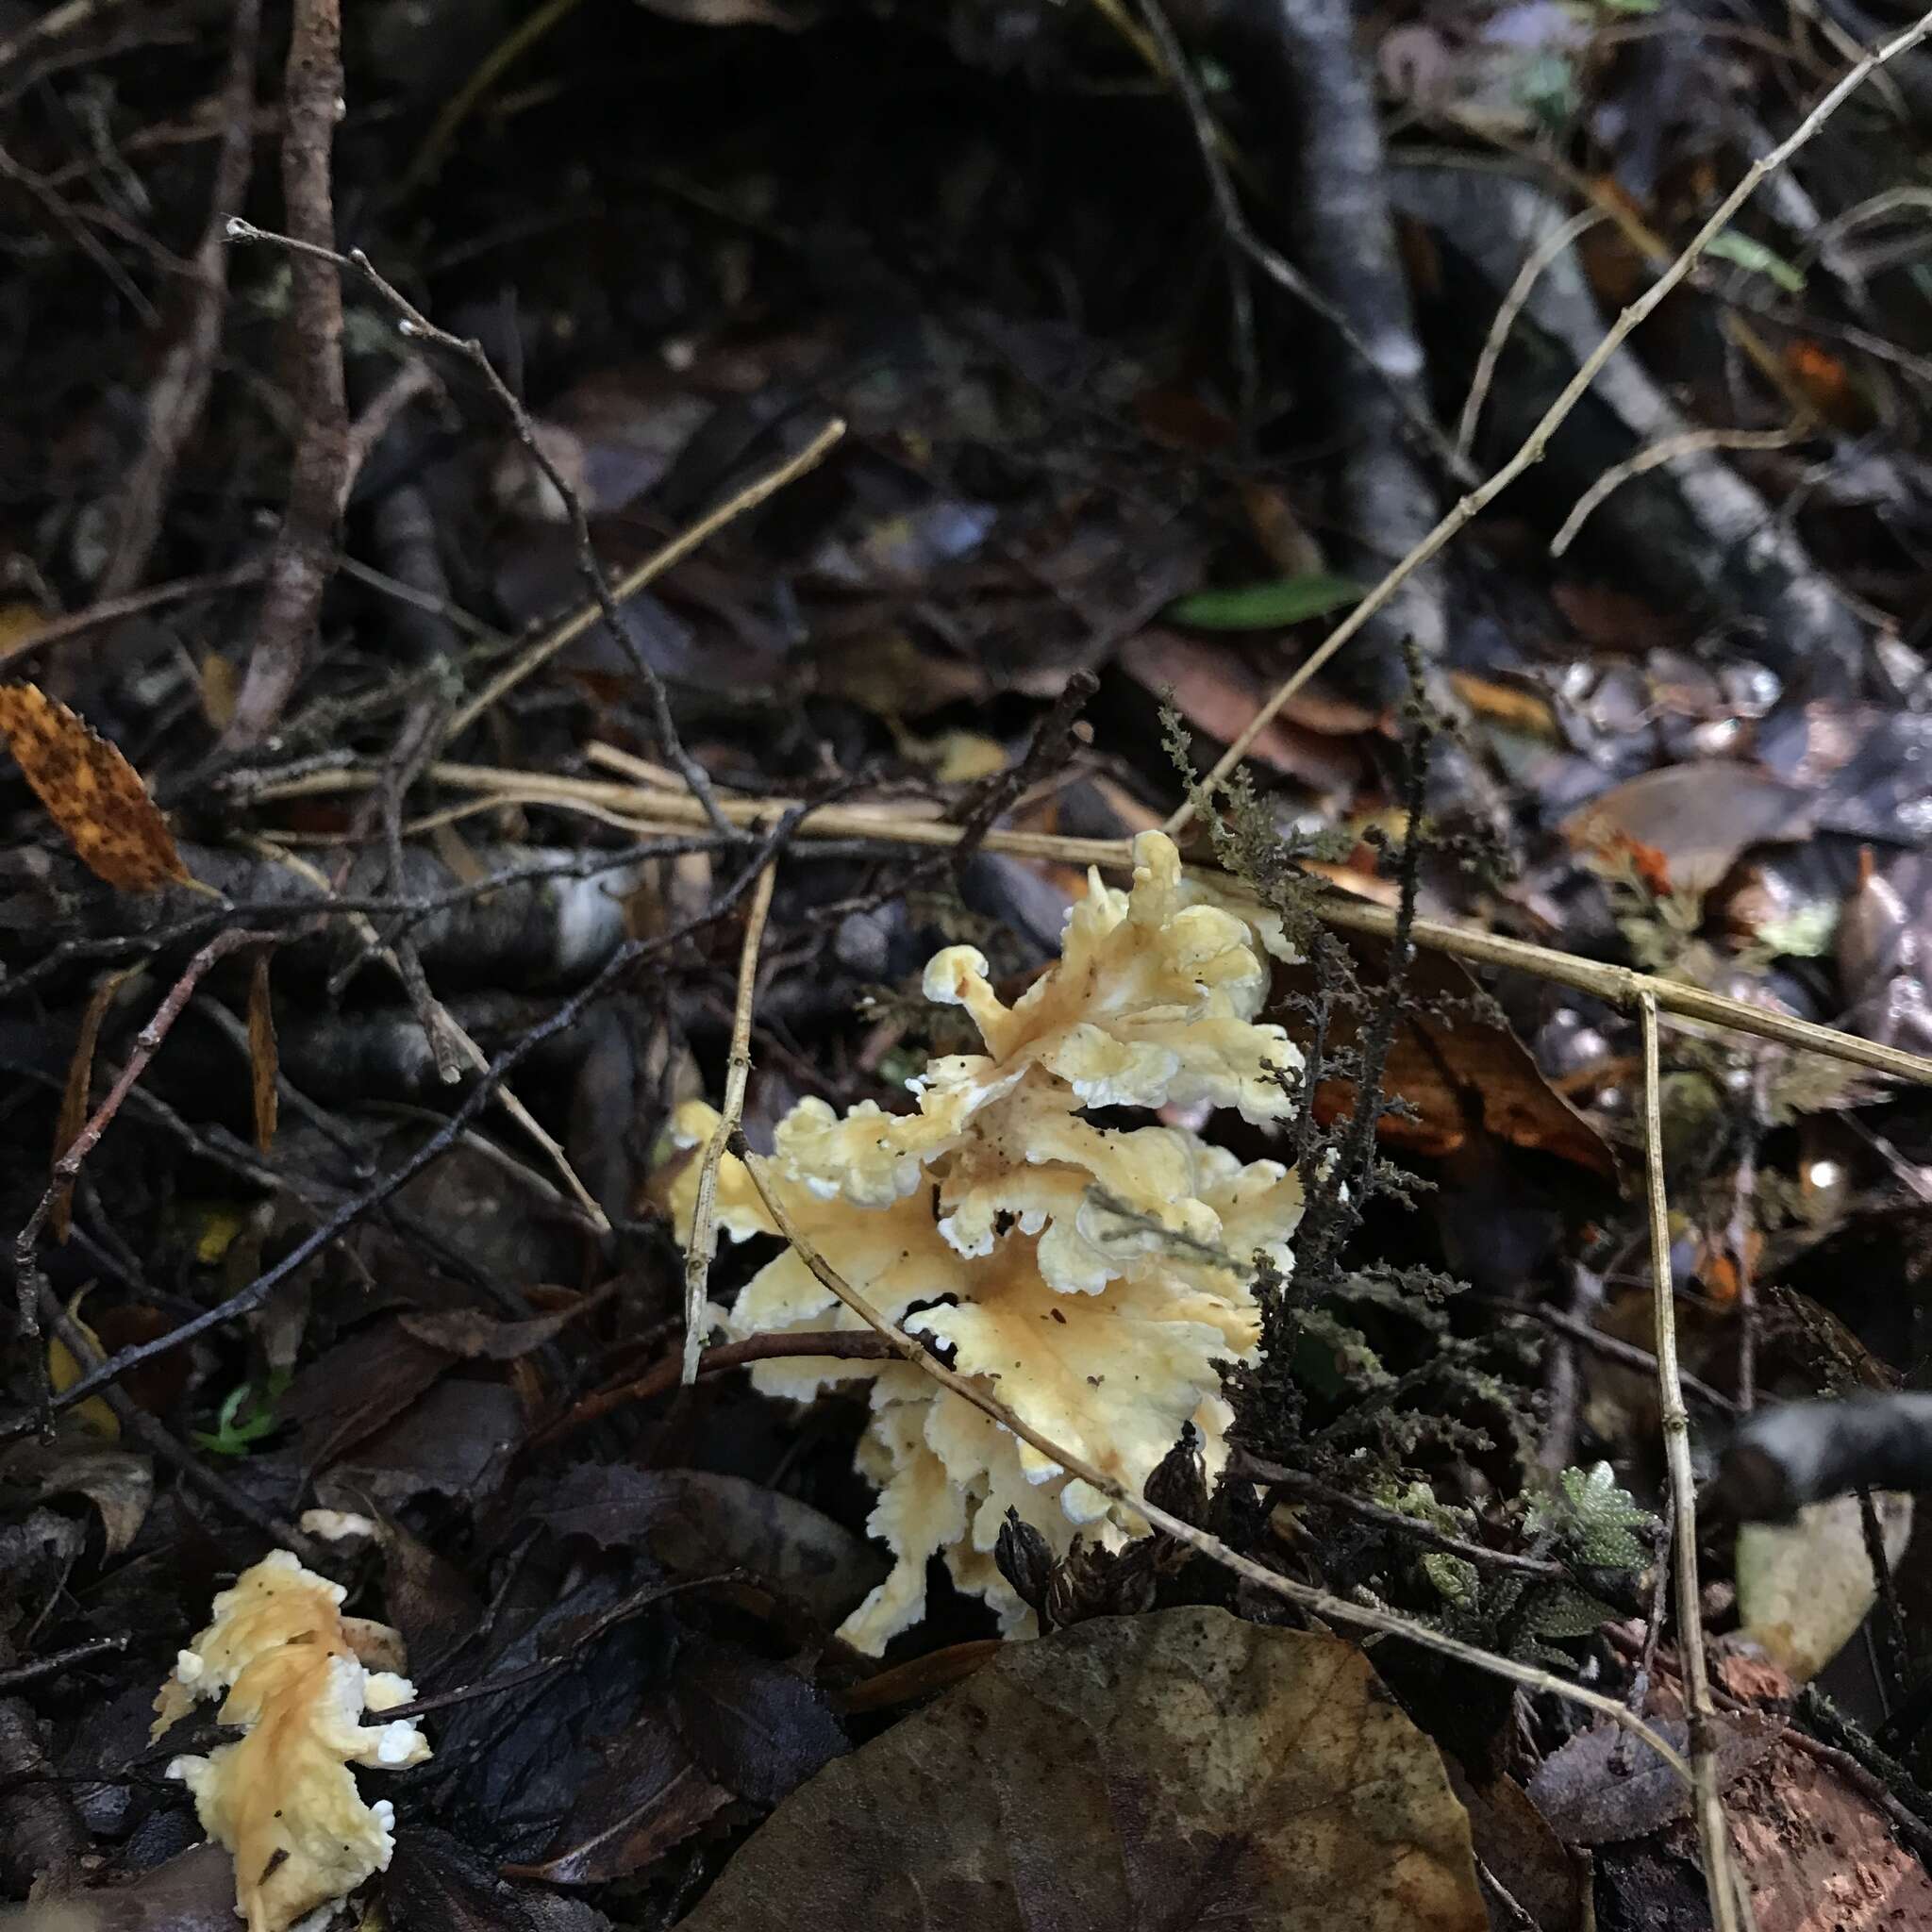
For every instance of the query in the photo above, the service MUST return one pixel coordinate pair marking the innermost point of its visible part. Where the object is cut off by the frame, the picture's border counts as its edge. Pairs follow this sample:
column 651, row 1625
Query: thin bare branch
column 1713, row 1833
column 646, row 809
column 703, row 1244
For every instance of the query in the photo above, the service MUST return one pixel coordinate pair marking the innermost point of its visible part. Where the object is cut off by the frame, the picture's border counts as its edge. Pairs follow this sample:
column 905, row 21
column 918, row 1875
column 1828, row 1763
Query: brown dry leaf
column 1521, row 1851
column 1461, row 1079
column 1508, row 704
column 1603, row 1786
column 1216, row 691
column 1182, row 1769
column 90, row 791
column 264, row 1057
column 1699, row 817
column 81, row 1076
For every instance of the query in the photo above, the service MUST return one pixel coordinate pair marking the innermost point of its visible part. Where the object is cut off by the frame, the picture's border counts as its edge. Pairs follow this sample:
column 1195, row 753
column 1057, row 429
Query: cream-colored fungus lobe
column 1093, row 1276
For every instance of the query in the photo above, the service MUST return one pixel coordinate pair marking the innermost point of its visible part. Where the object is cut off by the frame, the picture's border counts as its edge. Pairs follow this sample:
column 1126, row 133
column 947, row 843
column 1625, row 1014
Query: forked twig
column 1537, row 442
column 1691, row 442
column 1512, row 305
column 703, row 1246
column 1713, row 1833
column 147, row 1043
column 1318, row 1602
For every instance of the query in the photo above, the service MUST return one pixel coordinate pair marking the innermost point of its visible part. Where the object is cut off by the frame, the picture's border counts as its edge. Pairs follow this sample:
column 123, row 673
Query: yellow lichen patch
column 1092, row 1278
column 282, row 1799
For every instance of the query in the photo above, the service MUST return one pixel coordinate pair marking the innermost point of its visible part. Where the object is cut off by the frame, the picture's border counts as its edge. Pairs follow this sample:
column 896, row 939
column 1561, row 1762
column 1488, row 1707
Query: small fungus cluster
column 289, row 1669
column 1094, row 1276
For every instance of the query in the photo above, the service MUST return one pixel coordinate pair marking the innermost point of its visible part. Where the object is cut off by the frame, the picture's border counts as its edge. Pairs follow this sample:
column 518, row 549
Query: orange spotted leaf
column 90, row 791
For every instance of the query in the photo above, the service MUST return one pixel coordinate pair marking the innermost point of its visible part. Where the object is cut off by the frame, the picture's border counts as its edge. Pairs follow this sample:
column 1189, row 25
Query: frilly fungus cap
column 1093, row 1276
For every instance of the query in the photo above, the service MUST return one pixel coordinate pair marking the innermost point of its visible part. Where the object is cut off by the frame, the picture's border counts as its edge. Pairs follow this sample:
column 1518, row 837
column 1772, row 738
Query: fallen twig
column 179, row 391
column 703, row 1243
column 1713, row 1833
column 1668, row 451
column 644, row 809
column 1511, row 305
column 60, row 1660
column 305, row 547
column 1329, row 1497
column 414, row 323
column 836, row 1345
column 1804, row 1452
column 28, row 1281
column 544, row 648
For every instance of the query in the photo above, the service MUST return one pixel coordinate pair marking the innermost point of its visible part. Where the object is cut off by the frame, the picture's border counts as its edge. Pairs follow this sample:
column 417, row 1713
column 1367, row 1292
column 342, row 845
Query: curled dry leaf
column 1603, row 1786
column 1698, row 817
column 264, row 1059
column 1461, row 1074
column 1174, row 1770
column 90, row 791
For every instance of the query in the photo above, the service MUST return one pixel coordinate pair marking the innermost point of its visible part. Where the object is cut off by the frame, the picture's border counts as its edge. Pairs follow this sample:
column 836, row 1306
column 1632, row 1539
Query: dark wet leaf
column 191, row 1892
column 699, row 1524
column 426, row 1596
column 1885, row 949
column 472, row 1336
column 437, row 1884
column 1526, row 1856
column 1586, row 1801
column 650, row 1796
column 1865, row 766
column 456, row 1442
column 37, row 1550
column 359, row 1386
column 1176, row 1770
column 119, row 1483
column 752, row 1725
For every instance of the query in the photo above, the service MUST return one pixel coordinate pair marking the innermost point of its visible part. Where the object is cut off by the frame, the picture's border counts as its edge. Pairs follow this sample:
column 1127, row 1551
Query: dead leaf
column 474, row 1335
column 725, row 13
column 649, row 1796
column 1174, row 1770
column 117, row 1482
column 1463, row 1078
column 751, row 1726
column 1214, row 689
column 264, row 1062
column 1606, row 1784
column 1511, row 706
column 697, row 1522
column 1805, row 1588
column 63, row 1372
column 80, row 1087
column 1525, row 1856
column 1699, row 817
column 89, row 791
column 435, row 1883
